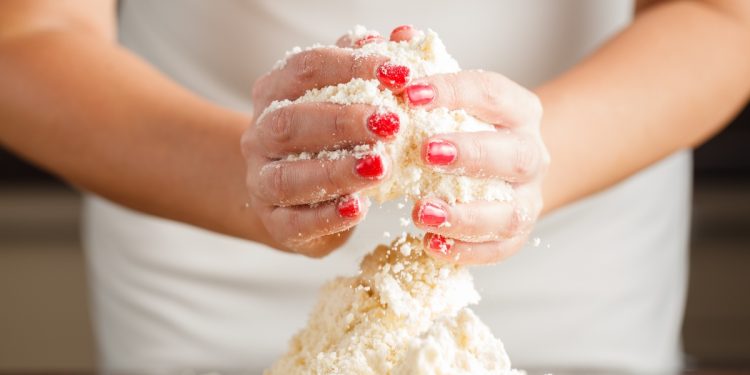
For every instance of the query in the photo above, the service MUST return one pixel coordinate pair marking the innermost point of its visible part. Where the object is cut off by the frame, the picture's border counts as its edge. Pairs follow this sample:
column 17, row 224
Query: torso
column 604, row 287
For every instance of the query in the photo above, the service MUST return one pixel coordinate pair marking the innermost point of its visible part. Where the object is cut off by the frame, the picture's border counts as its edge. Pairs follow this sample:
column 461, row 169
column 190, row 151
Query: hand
column 482, row 232
column 309, row 206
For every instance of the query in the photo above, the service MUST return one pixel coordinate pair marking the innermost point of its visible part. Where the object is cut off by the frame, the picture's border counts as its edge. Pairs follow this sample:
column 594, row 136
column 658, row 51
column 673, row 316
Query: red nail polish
column 440, row 152
column 393, row 76
column 348, row 207
column 420, row 94
column 383, row 124
column 401, row 28
column 439, row 244
column 368, row 39
column 432, row 215
column 370, row 166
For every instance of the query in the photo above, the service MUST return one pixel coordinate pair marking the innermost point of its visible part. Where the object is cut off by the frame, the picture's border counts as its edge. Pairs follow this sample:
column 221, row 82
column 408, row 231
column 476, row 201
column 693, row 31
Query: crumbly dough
column 409, row 177
column 404, row 314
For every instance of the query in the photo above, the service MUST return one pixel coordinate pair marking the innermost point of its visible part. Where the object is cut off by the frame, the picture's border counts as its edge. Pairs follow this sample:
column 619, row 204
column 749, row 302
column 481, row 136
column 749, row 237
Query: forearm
column 94, row 114
column 673, row 78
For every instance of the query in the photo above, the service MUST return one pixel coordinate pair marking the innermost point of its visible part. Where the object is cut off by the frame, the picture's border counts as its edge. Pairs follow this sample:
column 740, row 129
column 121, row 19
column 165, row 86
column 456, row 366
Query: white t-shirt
column 603, row 289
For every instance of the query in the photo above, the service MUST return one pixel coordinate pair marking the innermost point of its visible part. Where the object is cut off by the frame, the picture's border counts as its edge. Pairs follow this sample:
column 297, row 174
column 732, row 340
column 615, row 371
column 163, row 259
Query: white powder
column 424, row 55
column 405, row 313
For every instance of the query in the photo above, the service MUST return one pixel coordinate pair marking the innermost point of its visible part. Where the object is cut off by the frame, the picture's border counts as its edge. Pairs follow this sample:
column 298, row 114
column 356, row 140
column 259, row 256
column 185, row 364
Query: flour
column 406, row 313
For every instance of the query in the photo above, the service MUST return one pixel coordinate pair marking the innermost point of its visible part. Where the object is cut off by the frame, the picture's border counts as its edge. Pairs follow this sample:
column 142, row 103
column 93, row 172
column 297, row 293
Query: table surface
column 565, row 372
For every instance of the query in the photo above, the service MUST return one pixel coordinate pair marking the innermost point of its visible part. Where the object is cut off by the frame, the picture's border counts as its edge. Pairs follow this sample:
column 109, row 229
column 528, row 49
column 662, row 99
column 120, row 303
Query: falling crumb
column 404, row 221
column 387, row 234
column 536, row 241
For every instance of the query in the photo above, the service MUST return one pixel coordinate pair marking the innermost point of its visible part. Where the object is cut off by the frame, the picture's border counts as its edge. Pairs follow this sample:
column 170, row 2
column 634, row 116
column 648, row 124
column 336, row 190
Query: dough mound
column 405, row 313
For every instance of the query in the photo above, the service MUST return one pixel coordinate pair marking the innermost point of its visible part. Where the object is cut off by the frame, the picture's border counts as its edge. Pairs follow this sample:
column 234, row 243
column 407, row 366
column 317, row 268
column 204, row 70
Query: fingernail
column 348, row 206
column 440, row 152
column 420, row 94
column 368, row 39
column 383, row 124
column 432, row 215
column 400, row 29
column 370, row 166
column 439, row 244
column 393, row 76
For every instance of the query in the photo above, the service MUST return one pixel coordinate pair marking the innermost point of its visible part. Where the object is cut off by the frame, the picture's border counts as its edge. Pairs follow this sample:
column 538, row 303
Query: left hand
column 482, row 232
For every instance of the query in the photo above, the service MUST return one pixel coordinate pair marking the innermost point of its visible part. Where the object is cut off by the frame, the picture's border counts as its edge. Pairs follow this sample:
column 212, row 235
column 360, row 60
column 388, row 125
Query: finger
column 503, row 154
column 313, row 68
column 303, row 228
column 472, row 222
column 289, row 183
column 403, row 33
column 351, row 40
column 313, row 127
column 471, row 253
column 490, row 97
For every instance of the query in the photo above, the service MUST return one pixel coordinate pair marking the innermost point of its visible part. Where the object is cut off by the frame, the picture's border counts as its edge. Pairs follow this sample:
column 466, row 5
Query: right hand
column 309, row 206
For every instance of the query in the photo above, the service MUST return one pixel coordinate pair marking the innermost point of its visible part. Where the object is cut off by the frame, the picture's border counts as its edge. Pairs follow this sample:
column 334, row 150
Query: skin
column 113, row 125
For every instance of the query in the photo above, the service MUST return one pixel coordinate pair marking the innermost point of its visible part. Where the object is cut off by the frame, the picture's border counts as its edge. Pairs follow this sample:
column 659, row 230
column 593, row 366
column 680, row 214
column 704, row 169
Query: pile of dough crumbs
column 405, row 313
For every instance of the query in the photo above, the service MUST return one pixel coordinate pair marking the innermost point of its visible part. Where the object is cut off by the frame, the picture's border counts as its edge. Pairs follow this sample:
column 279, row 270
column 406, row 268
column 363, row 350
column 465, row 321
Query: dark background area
column 34, row 244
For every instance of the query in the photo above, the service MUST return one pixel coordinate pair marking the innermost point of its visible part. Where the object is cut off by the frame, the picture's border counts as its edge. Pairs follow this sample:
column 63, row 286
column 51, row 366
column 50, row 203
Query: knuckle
column 525, row 158
column 490, row 91
column 294, row 221
column 515, row 222
column 333, row 178
column 522, row 219
column 274, row 185
column 341, row 121
column 476, row 153
column 469, row 218
column 281, row 125
column 447, row 88
column 320, row 221
column 305, row 65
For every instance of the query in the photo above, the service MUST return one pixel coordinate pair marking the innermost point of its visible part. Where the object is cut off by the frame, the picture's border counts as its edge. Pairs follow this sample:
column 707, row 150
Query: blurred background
column 45, row 323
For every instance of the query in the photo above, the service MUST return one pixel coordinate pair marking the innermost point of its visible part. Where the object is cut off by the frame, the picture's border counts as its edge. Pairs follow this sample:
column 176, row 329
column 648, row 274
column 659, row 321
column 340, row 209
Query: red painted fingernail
column 393, row 76
column 439, row 244
column 369, row 39
column 420, row 94
column 370, row 166
column 400, row 29
column 432, row 215
column 383, row 124
column 440, row 152
column 348, row 206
